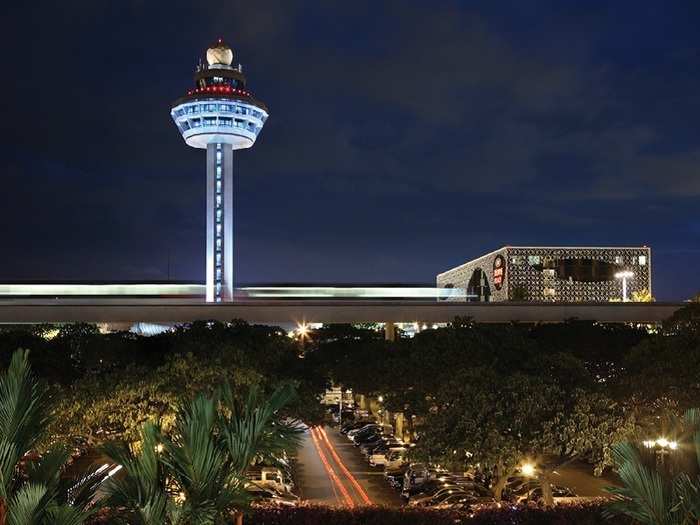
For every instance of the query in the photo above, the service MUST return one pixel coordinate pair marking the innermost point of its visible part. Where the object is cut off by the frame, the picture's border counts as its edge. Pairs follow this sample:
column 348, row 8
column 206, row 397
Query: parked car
column 395, row 459
column 385, row 455
column 416, row 475
column 426, row 489
column 558, row 493
column 270, row 495
column 269, row 477
column 347, row 426
column 369, row 427
column 462, row 502
column 395, row 476
column 430, row 498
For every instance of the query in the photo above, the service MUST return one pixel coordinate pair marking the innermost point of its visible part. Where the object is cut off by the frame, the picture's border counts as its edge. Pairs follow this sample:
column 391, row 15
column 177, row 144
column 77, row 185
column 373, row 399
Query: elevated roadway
column 268, row 311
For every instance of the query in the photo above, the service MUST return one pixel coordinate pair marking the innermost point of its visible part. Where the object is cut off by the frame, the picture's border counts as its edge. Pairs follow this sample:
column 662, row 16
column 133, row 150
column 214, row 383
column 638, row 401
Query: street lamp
column 662, row 447
column 527, row 469
column 624, row 275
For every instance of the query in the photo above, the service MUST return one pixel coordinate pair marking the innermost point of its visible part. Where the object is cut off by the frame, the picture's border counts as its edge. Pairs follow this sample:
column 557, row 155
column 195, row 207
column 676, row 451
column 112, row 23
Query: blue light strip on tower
column 219, row 221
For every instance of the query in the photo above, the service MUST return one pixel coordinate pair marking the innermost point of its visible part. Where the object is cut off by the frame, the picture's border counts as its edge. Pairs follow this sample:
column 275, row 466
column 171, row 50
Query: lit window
column 642, row 260
column 218, row 229
column 618, row 259
column 218, row 155
column 218, row 186
column 218, row 200
column 533, row 260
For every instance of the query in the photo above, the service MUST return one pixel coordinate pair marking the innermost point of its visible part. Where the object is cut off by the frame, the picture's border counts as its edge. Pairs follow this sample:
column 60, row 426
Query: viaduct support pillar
column 390, row 331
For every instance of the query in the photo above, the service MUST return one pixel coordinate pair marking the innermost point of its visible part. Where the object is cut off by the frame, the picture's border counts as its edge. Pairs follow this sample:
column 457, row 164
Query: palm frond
column 141, row 489
column 645, row 496
column 252, row 428
column 27, row 506
column 66, row 515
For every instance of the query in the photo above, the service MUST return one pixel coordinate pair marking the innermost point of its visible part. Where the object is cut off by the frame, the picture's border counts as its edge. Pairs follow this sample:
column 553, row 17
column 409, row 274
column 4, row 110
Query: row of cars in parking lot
column 423, row 485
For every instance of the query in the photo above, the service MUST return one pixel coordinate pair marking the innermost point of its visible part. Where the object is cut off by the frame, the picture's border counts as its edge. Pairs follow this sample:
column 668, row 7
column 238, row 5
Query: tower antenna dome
column 219, row 53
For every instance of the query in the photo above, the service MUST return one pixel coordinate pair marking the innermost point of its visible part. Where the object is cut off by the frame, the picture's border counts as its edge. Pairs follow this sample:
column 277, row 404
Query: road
column 332, row 471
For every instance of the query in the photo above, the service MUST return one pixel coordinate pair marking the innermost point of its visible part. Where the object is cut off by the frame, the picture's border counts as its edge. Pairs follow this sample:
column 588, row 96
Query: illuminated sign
column 499, row 271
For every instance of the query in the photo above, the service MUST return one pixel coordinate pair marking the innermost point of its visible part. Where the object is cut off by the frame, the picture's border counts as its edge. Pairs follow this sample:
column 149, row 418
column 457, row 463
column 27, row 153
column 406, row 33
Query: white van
column 271, row 477
column 395, row 459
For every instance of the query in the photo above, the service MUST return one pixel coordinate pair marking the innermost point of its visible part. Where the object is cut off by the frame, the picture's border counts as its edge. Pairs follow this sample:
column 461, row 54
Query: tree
column 197, row 473
column 499, row 421
column 32, row 489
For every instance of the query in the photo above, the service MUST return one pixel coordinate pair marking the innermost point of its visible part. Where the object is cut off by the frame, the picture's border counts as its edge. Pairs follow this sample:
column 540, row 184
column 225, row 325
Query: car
column 535, row 494
column 363, row 431
column 427, row 490
column 370, row 435
column 268, row 477
column 270, row 495
column 386, row 441
column 416, row 475
column 353, row 425
column 383, row 456
column 464, row 502
column 395, row 476
column 395, row 459
column 427, row 499
column 364, row 428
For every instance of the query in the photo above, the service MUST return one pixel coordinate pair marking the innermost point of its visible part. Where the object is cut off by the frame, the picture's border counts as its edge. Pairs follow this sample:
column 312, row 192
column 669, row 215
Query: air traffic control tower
column 220, row 115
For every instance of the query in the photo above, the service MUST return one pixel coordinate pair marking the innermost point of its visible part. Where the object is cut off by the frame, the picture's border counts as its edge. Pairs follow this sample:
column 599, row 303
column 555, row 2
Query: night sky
column 404, row 137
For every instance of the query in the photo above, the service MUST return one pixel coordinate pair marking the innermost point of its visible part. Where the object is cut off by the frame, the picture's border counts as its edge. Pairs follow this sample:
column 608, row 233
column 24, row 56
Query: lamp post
column 624, row 275
column 661, row 447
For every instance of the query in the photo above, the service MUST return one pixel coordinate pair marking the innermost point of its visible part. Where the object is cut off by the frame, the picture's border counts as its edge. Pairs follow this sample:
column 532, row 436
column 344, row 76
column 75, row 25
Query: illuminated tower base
column 219, row 222
column 220, row 115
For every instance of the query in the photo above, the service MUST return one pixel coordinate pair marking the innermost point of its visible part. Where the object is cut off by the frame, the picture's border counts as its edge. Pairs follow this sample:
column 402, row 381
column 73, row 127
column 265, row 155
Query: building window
column 532, row 260
column 516, row 260
column 618, row 259
column 642, row 260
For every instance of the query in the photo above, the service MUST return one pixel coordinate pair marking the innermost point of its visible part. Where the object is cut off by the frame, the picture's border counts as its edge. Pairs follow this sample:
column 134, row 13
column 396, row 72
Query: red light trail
column 361, row 491
column 329, row 470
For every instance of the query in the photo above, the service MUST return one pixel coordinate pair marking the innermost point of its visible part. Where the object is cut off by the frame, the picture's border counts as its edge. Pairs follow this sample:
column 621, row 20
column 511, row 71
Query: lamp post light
column 662, row 447
column 527, row 470
column 624, row 275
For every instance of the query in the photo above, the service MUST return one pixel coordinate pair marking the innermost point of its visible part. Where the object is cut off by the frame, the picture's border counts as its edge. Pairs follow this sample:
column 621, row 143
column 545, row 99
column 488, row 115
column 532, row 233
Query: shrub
column 578, row 514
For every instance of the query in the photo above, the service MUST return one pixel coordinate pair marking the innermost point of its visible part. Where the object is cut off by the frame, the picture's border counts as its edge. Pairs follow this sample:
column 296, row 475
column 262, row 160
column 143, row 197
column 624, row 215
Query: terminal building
column 553, row 274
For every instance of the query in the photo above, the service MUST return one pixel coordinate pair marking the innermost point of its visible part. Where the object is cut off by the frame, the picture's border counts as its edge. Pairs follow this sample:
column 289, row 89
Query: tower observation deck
column 221, row 115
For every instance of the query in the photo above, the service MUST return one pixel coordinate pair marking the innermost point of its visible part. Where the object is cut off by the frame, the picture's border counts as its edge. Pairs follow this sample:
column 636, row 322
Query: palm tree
column 32, row 489
column 197, row 475
column 652, row 496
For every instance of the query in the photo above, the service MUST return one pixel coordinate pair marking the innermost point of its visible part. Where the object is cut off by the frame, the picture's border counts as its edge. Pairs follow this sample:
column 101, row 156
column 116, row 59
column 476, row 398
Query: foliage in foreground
column 32, row 488
column 653, row 495
column 196, row 475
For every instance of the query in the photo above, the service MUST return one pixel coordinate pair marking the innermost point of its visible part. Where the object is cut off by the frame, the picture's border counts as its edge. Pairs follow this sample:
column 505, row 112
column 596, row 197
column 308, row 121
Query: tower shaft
column 219, row 271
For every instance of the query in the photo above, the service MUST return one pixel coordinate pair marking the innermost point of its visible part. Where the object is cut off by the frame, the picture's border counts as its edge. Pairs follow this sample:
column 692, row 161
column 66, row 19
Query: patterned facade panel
column 477, row 277
column 557, row 274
